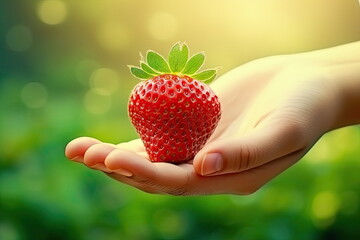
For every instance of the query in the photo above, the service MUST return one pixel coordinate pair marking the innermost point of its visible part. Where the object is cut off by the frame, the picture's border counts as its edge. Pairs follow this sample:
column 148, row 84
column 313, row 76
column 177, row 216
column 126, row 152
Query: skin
column 274, row 110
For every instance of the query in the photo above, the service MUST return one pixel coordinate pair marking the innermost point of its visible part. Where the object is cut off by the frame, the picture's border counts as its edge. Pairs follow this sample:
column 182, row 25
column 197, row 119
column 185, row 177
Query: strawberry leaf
column 178, row 63
column 147, row 69
column 157, row 62
column 205, row 75
column 178, row 57
column 194, row 63
column 139, row 73
column 210, row 79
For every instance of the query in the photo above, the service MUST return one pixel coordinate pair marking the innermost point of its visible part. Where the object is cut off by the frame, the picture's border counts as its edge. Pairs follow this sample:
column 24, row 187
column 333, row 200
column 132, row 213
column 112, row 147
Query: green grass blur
column 63, row 75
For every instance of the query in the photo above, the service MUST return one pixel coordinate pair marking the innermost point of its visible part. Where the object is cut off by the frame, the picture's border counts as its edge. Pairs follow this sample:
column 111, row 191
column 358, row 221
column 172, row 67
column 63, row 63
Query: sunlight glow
column 113, row 36
column 162, row 26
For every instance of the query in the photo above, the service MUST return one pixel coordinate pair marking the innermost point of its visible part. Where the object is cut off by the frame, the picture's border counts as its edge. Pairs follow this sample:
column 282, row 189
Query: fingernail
column 123, row 172
column 76, row 159
column 211, row 163
column 100, row 167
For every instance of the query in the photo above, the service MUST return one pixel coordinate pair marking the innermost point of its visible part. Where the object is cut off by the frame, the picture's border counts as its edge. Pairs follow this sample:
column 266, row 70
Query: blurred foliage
column 63, row 74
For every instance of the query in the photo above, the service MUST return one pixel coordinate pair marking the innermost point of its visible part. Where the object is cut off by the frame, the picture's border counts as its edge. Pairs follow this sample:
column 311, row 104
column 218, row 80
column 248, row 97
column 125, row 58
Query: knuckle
column 183, row 189
column 147, row 190
column 180, row 190
column 90, row 154
column 93, row 148
column 144, row 181
column 112, row 159
column 158, row 185
column 171, row 190
column 246, row 157
column 177, row 191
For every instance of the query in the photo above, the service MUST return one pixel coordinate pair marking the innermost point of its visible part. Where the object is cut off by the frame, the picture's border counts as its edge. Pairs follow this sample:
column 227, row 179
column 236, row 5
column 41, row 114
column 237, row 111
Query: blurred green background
column 63, row 74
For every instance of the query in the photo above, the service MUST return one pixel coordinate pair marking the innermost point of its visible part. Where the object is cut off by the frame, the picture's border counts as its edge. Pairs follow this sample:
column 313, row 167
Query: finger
column 261, row 146
column 100, row 167
column 77, row 147
column 248, row 182
column 135, row 145
column 164, row 177
column 243, row 183
column 97, row 153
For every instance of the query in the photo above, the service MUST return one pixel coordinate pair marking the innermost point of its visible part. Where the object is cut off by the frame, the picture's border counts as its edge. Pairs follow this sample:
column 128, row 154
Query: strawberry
column 173, row 111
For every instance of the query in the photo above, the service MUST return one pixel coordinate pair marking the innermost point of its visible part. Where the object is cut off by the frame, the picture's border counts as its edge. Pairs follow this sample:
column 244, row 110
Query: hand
column 274, row 110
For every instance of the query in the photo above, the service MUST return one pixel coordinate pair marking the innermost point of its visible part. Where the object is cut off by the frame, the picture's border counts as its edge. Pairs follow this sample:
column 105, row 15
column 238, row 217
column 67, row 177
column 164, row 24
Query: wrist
column 337, row 71
column 341, row 66
column 349, row 98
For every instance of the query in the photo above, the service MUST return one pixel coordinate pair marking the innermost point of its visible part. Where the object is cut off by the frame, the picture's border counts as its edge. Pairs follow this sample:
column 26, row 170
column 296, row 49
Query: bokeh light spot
column 34, row 95
column 162, row 26
column 19, row 38
column 113, row 36
column 97, row 101
column 105, row 79
column 325, row 205
column 52, row 11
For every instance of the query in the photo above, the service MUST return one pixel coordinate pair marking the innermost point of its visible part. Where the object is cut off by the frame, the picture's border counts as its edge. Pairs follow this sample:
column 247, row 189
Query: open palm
column 274, row 110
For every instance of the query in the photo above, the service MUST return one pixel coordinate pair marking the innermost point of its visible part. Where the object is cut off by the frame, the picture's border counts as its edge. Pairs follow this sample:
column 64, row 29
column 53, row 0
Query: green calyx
column 178, row 63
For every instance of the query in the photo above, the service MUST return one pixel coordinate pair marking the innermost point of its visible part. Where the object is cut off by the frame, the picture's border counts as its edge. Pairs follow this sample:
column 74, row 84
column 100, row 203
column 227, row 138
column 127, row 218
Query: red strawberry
column 173, row 112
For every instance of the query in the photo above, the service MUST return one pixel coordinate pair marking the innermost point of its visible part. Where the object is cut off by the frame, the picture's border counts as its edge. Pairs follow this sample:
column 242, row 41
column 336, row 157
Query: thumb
column 236, row 154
